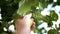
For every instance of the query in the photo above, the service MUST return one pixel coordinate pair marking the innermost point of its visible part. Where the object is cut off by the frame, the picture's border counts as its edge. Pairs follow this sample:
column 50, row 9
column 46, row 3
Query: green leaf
column 52, row 31
column 3, row 33
column 50, row 24
column 45, row 18
column 25, row 7
column 43, row 4
column 53, row 15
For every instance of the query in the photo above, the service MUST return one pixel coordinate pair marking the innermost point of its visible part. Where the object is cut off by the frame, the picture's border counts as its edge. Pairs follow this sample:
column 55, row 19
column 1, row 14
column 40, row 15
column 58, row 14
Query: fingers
column 33, row 21
column 33, row 24
column 26, row 20
column 27, row 16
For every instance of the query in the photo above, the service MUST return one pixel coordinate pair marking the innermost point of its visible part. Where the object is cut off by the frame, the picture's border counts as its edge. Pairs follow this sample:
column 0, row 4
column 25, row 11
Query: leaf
column 25, row 7
column 3, row 33
column 43, row 4
column 52, row 31
column 16, row 1
column 50, row 24
column 45, row 18
column 53, row 15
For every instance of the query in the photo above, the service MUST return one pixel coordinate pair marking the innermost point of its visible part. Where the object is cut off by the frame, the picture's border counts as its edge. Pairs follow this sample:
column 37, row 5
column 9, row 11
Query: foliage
column 9, row 8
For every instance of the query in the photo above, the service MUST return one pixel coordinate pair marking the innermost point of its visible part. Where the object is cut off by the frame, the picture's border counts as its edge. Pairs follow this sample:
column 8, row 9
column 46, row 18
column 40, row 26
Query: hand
column 24, row 23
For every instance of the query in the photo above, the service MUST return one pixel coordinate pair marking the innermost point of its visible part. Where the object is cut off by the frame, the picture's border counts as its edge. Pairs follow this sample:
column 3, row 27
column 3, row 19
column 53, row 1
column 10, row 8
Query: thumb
column 27, row 16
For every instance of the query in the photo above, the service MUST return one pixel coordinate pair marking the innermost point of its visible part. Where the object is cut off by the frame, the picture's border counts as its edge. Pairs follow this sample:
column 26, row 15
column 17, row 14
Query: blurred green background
column 45, row 12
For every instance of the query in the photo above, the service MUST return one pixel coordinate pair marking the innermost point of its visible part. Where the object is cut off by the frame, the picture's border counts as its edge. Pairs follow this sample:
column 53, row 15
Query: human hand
column 24, row 23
